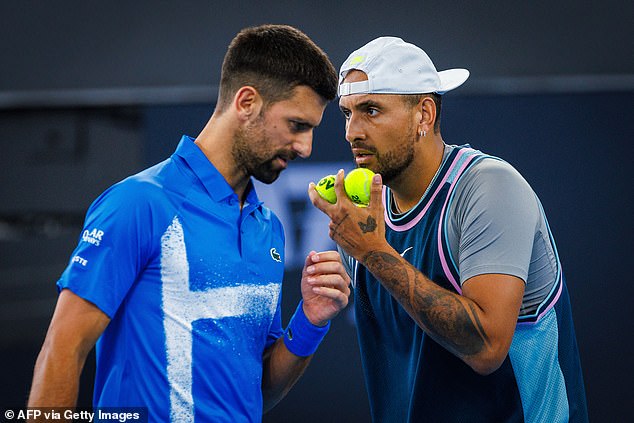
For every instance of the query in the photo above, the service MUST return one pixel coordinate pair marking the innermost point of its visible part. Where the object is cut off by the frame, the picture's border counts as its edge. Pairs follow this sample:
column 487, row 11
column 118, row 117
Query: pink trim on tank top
column 420, row 215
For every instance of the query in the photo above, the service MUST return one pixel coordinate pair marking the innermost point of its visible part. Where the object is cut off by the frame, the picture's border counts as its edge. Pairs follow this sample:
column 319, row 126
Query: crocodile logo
column 275, row 255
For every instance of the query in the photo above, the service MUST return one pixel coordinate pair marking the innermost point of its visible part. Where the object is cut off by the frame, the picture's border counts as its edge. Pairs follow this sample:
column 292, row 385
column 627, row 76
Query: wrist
column 302, row 337
column 317, row 323
column 369, row 257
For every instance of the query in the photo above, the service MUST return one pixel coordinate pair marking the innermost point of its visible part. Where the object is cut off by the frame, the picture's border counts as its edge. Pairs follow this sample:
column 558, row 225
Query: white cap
column 396, row 67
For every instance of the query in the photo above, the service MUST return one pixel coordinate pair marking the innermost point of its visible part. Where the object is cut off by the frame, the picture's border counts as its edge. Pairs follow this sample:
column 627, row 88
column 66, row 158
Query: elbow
column 485, row 368
column 486, row 364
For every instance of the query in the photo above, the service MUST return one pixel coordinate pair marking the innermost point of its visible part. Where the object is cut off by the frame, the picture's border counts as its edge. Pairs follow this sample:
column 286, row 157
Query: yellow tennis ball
column 326, row 188
column 358, row 183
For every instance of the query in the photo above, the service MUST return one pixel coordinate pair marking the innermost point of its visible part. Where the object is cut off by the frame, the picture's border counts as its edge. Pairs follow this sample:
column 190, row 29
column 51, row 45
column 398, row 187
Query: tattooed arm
column 477, row 326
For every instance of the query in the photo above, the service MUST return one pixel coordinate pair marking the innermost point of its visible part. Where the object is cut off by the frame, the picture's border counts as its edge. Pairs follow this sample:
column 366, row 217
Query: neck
column 410, row 186
column 216, row 142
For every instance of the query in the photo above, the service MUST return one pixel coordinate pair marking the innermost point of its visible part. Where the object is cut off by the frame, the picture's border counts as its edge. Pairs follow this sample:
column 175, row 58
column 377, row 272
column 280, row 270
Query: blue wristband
column 302, row 337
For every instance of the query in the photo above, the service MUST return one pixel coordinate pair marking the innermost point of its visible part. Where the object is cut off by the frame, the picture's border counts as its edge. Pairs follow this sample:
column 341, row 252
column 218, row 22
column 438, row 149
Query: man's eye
column 346, row 113
column 299, row 126
column 372, row 111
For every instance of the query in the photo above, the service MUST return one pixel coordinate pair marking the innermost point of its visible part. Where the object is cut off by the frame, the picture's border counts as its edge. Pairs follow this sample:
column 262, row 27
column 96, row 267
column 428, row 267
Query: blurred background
column 92, row 91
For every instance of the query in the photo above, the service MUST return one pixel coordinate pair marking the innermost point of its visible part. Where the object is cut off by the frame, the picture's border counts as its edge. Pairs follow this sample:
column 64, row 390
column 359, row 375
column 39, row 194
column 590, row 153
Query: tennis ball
column 357, row 184
column 326, row 188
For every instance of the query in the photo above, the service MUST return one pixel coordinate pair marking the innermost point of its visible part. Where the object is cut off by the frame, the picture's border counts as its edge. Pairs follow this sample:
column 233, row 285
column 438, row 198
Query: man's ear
column 427, row 108
column 247, row 103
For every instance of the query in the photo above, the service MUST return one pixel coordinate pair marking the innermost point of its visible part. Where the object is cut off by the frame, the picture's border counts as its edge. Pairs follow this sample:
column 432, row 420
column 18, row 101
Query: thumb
column 376, row 192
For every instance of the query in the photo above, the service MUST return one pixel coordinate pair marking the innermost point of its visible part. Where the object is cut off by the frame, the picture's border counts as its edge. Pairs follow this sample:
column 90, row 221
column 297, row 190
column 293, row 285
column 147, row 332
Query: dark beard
column 392, row 164
column 255, row 163
column 265, row 172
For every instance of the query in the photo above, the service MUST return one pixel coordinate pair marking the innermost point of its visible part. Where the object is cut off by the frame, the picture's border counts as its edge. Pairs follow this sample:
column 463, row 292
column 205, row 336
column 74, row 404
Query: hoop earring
column 420, row 134
column 424, row 133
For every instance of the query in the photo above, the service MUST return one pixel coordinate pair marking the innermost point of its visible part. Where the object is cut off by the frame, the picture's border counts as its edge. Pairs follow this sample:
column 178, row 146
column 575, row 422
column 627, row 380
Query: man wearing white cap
column 461, row 305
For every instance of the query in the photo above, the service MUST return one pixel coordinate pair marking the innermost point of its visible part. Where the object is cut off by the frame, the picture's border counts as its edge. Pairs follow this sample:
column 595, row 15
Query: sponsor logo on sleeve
column 80, row 260
column 93, row 236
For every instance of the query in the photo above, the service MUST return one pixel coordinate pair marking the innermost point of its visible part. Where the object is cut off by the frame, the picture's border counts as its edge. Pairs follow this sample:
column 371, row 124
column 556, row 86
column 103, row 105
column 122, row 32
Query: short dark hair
column 274, row 59
column 412, row 100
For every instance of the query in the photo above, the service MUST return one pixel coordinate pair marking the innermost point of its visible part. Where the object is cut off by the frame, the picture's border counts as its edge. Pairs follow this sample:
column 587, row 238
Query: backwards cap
column 396, row 67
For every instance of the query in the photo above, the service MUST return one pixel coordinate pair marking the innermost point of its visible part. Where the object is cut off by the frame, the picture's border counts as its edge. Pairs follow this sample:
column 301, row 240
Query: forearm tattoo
column 438, row 311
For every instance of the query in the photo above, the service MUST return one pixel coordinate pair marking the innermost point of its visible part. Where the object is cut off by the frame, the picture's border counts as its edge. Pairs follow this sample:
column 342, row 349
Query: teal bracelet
column 302, row 337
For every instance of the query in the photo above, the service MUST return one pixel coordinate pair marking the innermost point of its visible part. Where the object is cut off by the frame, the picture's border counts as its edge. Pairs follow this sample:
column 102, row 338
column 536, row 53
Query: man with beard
column 177, row 275
column 461, row 306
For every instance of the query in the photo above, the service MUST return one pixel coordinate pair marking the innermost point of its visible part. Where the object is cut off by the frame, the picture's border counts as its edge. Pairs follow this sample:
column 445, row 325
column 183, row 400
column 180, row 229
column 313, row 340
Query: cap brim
column 452, row 78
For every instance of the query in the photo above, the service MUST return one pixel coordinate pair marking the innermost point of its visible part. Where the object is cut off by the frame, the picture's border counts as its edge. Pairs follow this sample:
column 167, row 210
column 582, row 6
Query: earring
column 424, row 133
column 420, row 133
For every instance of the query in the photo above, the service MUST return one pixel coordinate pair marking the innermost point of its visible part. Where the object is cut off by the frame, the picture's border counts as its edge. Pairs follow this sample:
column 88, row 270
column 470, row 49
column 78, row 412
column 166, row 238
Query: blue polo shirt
column 192, row 284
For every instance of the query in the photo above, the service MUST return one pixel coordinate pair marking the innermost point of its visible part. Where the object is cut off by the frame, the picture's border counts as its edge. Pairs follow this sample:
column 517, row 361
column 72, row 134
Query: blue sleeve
column 113, row 248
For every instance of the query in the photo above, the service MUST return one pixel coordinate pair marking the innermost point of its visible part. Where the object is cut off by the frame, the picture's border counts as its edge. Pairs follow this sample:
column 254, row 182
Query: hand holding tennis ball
column 357, row 184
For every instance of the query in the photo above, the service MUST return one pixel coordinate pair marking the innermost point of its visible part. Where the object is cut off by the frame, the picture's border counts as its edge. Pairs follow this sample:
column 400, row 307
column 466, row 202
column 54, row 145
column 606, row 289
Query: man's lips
column 361, row 152
column 281, row 161
column 362, row 155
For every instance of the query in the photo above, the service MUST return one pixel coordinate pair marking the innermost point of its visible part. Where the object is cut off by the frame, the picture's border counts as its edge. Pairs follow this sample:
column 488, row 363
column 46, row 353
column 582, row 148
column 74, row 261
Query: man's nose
column 303, row 144
column 354, row 129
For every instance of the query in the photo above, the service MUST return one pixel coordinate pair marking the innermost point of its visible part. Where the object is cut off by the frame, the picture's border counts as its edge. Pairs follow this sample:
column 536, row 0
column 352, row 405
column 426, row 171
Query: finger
column 337, row 296
column 308, row 261
column 376, row 192
column 325, row 268
column 330, row 255
column 326, row 262
column 309, row 258
column 339, row 187
column 316, row 199
column 329, row 281
column 334, row 281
